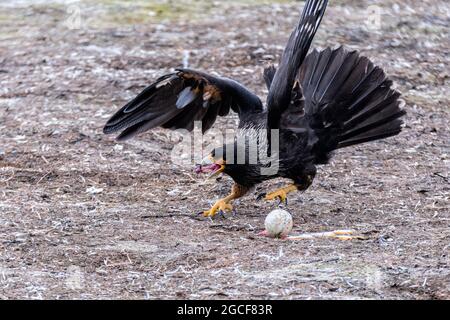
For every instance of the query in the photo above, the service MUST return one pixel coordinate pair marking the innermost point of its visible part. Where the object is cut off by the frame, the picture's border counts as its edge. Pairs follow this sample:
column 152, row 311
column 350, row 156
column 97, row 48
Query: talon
column 261, row 196
column 222, row 214
column 281, row 194
column 220, row 206
column 282, row 203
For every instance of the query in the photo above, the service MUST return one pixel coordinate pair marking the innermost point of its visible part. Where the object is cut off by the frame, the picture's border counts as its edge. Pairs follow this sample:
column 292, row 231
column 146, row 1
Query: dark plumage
column 318, row 102
column 177, row 100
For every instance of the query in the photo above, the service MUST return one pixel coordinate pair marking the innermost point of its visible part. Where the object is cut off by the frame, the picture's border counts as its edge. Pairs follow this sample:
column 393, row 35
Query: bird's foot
column 343, row 235
column 281, row 201
column 281, row 194
column 221, row 206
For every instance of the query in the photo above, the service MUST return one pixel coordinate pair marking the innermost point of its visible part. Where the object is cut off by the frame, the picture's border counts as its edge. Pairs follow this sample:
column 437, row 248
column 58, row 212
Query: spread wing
column 281, row 81
column 178, row 100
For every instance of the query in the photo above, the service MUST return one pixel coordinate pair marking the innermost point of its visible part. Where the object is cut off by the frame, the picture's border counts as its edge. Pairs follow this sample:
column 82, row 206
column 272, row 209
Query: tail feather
column 367, row 126
column 386, row 104
column 349, row 99
column 385, row 131
column 361, row 69
column 343, row 71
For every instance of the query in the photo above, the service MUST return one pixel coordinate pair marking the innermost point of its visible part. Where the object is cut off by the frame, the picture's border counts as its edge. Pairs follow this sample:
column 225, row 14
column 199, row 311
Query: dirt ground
column 83, row 217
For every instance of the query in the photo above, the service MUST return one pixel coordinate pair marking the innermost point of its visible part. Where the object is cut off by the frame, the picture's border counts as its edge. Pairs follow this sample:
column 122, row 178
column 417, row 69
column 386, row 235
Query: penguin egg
column 279, row 224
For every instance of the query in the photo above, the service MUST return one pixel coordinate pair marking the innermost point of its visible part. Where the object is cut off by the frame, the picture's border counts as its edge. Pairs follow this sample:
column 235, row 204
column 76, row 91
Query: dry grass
column 84, row 217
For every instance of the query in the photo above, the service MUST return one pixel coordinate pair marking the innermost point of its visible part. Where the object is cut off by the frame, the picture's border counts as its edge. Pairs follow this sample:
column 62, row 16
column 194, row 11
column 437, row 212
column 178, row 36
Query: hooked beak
column 209, row 165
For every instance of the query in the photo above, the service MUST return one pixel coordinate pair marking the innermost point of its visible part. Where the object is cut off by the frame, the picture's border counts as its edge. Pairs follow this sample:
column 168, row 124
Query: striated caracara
column 318, row 102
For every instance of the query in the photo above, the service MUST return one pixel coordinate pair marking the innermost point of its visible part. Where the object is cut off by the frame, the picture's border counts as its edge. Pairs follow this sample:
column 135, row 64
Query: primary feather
column 178, row 100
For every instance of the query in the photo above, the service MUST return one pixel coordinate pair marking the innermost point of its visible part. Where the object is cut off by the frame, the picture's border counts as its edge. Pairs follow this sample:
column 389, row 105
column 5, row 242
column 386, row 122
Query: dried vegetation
column 84, row 217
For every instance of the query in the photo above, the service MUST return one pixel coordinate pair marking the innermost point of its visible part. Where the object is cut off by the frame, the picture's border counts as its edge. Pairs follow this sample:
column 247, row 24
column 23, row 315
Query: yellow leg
column 343, row 235
column 224, row 205
column 281, row 194
column 221, row 205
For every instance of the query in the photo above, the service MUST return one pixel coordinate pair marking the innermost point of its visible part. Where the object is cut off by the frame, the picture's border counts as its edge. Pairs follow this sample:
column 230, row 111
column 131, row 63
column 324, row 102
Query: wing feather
column 178, row 100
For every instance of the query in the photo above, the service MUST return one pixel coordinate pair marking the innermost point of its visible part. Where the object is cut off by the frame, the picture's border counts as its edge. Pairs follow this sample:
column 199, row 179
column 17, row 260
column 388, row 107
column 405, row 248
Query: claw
column 222, row 214
column 220, row 206
column 281, row 194
column 261, row 196
column 281, row 202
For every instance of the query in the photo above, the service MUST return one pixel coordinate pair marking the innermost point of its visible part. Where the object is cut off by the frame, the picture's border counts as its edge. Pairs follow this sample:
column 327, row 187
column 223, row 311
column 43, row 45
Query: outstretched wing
column 178, row 100
column 282, row 81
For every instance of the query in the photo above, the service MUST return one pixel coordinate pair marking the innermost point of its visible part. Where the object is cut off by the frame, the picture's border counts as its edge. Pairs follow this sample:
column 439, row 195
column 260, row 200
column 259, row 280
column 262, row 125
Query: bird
column 319, row 101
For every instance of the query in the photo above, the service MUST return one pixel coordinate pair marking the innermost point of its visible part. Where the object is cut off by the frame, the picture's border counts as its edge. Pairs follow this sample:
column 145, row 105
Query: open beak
column 209, row 165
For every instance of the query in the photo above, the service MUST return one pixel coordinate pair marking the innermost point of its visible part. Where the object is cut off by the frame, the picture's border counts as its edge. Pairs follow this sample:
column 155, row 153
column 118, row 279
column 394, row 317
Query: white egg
column 279, row 224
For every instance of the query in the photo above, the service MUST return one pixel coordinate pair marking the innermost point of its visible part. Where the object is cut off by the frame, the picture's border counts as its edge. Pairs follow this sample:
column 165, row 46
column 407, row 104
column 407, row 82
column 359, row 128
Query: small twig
column 232, row 228
column 446, row 179
column 43, row 177
column 172, row 215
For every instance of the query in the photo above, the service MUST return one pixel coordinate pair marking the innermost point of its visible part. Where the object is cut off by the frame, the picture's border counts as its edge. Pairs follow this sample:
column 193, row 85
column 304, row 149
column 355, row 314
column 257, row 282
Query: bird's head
column 214, row 164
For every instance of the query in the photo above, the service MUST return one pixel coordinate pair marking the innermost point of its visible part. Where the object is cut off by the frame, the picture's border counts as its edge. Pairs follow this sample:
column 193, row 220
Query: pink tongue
column 212, row 168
